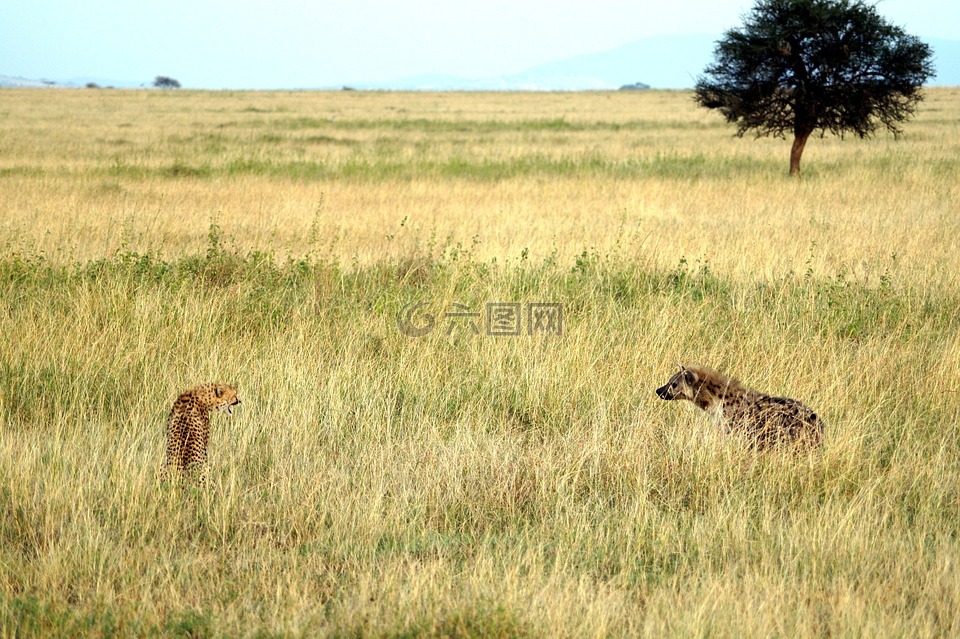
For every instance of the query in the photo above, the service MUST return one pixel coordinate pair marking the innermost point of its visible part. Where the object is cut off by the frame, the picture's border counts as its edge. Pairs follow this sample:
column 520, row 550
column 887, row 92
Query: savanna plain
column 460, row 484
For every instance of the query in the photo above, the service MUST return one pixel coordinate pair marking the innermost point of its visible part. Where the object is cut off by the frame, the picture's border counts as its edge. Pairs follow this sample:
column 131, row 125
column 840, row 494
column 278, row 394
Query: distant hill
column 7, row 81
column 662, row 62
column 104, row 82
column 73, row 83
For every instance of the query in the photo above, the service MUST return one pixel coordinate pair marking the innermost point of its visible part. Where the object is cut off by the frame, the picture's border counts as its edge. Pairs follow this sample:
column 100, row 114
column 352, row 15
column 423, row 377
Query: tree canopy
column 802, row 66
column 164, row 82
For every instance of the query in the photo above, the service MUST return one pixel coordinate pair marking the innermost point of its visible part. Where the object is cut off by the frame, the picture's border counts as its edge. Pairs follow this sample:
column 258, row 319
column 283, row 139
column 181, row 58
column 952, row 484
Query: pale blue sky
column 298, row 44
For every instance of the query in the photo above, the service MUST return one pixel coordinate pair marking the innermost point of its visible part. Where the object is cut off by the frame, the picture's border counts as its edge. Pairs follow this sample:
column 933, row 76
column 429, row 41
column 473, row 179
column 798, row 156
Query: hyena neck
column 707, row 401
column 715, row 393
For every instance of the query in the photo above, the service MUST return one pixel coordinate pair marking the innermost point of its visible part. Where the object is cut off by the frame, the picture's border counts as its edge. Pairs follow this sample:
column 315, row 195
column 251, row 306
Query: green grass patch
column 479, row 127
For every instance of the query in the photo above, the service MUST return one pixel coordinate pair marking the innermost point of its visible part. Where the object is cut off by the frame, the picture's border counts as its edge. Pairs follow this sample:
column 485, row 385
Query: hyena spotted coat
column 764, row 420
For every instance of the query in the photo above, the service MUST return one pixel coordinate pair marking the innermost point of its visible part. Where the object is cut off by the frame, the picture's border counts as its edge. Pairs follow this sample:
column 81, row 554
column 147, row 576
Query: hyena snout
column 664, row 392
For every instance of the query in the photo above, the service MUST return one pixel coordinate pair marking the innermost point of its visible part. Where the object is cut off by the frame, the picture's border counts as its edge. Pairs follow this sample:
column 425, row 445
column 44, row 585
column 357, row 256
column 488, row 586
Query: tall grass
column 460, row 484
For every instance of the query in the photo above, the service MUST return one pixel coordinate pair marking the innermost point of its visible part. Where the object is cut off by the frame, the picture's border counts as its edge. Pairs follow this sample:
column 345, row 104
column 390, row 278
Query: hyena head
column 683, row 385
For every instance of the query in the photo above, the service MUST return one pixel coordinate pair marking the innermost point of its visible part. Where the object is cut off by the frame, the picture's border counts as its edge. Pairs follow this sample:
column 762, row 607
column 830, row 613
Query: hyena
column 764, row 420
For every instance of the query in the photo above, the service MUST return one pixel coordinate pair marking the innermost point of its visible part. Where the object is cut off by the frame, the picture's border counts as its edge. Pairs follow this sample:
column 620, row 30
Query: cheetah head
column 225, row 398
column 683, row 385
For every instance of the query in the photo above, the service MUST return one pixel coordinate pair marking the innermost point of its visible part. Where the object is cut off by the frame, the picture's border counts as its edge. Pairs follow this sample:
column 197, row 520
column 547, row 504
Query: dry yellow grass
column 379, row 485
column 88, row 171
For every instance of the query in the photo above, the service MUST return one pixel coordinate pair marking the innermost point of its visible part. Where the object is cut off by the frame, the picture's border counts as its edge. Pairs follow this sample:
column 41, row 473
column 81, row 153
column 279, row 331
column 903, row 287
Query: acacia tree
column 164, row 82
column 809, row 65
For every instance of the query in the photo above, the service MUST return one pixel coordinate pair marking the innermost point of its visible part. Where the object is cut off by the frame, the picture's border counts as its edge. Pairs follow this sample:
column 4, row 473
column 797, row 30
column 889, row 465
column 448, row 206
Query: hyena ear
column 689, row 376
column 217, row 391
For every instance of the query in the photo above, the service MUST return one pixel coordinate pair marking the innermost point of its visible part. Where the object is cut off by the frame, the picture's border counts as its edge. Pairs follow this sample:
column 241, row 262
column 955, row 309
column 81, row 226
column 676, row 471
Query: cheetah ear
column 217, row 391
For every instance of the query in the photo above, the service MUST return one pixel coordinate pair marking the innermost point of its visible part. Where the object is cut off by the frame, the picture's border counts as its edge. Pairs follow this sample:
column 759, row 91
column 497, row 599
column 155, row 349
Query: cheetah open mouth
column 230, row 407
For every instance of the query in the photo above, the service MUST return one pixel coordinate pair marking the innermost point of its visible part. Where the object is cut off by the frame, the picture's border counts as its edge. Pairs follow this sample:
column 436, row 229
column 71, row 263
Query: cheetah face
column 226, row 398
column 681, row 386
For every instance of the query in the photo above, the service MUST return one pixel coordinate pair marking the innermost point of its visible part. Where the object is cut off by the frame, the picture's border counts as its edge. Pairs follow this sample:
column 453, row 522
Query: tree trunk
column 799, row 141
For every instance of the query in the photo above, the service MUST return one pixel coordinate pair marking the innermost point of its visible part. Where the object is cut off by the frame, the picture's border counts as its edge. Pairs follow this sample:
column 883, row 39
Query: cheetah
column 764, row 420
column 188, row 429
